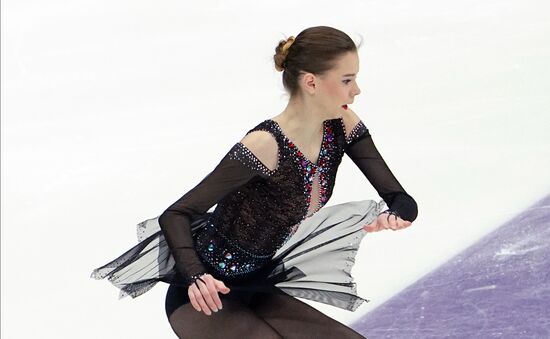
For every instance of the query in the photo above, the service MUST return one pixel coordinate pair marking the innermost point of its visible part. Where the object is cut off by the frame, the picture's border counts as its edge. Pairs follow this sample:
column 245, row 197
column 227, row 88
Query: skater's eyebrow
column 349, row 75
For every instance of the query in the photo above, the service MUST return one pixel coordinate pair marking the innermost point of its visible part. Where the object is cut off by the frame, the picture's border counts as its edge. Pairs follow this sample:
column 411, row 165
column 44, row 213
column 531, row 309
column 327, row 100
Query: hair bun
column 287, row 44
column 282, row 52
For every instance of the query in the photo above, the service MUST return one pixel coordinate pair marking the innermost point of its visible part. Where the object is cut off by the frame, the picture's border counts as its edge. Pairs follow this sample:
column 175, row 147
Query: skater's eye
column 346, row 81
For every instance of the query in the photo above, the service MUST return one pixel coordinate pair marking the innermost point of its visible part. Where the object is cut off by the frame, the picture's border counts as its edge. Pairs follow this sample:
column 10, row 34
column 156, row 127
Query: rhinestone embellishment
column 240, row 152
column 224, row 255
column 309, row 169
column 357, row 130
column 250, row 224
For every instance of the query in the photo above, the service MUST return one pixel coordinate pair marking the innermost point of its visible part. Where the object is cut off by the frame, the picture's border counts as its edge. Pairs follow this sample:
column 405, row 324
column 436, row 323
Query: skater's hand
column 206, row 297
column 385, row 221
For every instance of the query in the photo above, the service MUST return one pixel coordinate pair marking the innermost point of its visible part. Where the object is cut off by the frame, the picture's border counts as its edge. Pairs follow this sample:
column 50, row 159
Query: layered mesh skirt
column 314, row 263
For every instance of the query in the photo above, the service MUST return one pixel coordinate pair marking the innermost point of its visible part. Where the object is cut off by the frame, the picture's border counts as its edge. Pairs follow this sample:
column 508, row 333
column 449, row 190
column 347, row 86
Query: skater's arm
column 238, row 167
column 362, row 151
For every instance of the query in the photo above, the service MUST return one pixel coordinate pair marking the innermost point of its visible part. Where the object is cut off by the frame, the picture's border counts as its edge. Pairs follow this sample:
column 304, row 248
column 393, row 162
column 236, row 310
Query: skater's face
column 338, row 86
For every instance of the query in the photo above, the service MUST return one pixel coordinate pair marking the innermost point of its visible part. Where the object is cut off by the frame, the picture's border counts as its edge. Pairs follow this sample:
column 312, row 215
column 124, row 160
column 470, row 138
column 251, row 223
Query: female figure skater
column 235, row 272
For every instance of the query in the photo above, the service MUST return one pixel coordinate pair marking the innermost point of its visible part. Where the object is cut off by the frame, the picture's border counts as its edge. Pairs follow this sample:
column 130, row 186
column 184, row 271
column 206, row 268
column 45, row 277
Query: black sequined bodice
column 262, row 214
column 259, row 209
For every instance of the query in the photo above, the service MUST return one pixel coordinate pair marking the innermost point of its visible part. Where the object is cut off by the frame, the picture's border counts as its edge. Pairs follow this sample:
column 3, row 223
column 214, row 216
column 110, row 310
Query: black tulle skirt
column 315, row 262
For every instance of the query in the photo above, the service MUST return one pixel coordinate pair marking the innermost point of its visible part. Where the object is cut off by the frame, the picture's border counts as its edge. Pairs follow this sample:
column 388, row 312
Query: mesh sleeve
column 238, row 167
column 362, row 151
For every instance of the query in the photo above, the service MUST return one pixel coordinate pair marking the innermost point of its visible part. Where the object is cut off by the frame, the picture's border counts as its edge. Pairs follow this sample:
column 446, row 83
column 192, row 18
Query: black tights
column 247, row 314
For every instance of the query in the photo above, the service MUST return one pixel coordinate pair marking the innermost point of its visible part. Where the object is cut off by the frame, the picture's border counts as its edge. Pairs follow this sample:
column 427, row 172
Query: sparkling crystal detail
column 235, row 243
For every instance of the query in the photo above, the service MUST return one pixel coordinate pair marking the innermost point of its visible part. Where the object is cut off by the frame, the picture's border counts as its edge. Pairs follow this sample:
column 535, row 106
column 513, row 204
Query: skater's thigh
column 293, row 318
column 234, row 320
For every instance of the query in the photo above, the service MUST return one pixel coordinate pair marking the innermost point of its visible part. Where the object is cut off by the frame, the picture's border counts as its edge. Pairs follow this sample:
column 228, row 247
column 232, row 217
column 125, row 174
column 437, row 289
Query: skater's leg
column 234, row 320
column 293, row 318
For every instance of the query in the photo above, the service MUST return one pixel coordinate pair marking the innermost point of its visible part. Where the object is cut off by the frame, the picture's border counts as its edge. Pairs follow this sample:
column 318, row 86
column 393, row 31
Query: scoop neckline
column 298, row 151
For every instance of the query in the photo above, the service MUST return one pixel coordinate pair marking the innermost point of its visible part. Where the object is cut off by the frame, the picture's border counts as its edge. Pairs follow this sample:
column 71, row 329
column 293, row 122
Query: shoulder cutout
column 353, row 126
column 263, row 146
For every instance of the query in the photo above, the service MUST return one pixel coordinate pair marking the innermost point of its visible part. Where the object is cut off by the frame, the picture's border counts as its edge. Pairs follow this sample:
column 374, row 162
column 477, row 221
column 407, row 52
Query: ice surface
column 497, row 288
column 102, row 102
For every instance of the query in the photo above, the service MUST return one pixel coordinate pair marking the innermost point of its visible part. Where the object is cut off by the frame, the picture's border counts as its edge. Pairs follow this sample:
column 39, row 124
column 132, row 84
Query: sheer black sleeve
column 361, row 149
column 238, row 167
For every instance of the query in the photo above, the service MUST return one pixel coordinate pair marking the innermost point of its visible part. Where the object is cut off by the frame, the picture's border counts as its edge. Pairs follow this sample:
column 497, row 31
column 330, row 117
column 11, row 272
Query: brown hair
column 314, row 50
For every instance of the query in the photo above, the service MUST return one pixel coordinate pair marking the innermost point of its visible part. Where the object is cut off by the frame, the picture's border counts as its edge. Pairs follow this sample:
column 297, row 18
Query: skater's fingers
column 383, row 221
column 214, row 294
column 221, row 286
column 199, row 284
column 372, row 227
column 205, row 291
column 394, row 224
column 201, row 302
column 192, row 298
column 391, row 221
column 403, row 223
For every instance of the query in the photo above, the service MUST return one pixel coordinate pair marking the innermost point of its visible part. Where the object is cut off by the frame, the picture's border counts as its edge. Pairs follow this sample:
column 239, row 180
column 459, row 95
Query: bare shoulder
column 350, row 119
column 264, row 146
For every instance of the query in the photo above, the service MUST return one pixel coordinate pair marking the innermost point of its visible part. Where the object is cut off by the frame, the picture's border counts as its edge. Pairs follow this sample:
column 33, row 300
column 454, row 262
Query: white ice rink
column 105, row 104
